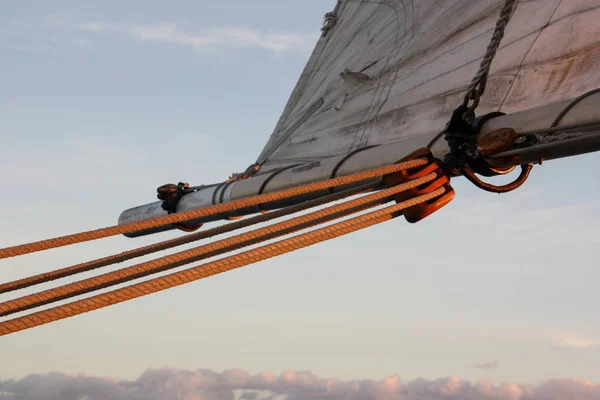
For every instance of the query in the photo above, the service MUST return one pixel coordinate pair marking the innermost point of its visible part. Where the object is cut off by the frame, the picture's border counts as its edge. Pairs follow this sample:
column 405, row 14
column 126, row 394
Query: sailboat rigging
column 386, row 77
column 398, row 98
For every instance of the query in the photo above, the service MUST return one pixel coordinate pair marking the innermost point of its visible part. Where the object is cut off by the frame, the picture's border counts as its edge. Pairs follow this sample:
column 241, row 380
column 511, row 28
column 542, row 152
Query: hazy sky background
column 103, row 101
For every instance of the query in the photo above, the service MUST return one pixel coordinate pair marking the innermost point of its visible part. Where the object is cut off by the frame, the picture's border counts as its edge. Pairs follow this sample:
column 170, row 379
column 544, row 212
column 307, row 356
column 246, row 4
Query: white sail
column 410, row 62
column 390, row 73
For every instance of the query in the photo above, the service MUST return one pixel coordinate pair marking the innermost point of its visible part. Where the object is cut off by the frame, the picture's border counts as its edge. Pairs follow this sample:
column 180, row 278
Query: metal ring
column 221, row 195
column 266, row 182
column 343, row 160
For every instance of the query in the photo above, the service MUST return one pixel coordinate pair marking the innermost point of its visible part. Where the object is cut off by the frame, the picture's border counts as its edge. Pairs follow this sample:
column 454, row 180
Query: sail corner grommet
column 419, row 212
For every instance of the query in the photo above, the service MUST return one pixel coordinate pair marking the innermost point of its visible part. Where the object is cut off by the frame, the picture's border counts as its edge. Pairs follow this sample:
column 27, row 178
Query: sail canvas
column 396, row 69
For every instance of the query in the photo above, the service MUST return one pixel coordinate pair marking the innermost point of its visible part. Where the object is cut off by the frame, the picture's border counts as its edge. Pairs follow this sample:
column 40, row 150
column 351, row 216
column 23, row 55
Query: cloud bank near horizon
column 171, row 384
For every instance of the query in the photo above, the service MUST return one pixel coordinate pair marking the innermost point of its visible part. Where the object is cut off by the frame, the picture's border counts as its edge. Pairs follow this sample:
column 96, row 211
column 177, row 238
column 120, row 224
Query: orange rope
column 211, row 268
column 167, row 244
column 206, row 211
column 207, row 250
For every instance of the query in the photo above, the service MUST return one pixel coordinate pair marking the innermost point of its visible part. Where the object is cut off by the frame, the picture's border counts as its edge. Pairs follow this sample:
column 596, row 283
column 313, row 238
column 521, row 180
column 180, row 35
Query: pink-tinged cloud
column 174, row 384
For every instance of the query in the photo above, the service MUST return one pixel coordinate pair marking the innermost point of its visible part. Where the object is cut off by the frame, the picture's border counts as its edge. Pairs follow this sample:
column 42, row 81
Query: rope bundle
column 217, row 248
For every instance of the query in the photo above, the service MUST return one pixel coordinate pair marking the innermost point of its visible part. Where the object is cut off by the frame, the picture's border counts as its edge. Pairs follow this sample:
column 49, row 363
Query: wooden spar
column 584, row 116
column 585, row 112
column 387, row 75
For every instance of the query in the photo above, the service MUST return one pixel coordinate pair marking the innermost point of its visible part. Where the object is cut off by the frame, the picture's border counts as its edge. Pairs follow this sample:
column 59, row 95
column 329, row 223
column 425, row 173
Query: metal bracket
column 170, row 195
column 461, row 139
column 465, row 150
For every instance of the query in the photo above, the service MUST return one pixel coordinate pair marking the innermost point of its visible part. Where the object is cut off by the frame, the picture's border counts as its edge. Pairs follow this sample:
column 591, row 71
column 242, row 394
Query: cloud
column 172, row 33
column 234, row 36
column 486, row 365
column 170, row 384
column 62, row 28
column 575, row 340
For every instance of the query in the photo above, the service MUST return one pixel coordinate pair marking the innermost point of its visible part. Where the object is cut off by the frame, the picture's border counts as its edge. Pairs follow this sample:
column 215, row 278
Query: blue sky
column 104, row 101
